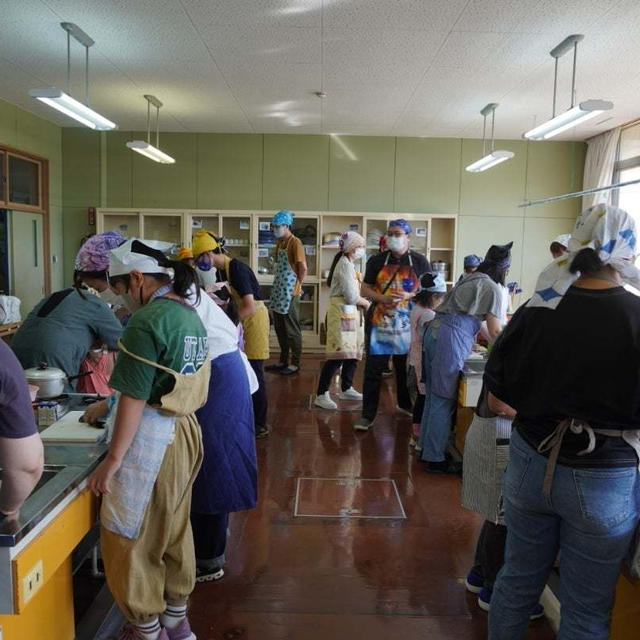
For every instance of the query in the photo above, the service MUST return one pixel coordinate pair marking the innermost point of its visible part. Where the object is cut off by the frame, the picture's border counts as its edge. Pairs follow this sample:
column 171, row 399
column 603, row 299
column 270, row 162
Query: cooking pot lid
column 43, row 372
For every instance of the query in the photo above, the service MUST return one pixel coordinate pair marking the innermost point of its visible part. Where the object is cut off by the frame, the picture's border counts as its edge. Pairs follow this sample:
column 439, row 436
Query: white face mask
column 359, row 253
column 206, row 278
column 279, row 232
column 397, row 243
column 111, row 298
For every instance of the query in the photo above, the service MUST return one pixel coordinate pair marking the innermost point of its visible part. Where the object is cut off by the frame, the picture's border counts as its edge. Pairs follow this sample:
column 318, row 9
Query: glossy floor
column 315, row 578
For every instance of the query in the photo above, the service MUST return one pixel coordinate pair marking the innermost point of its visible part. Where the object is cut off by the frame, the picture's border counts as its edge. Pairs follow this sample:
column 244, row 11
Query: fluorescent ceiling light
column 150, row 151
column 71, row 107
column 490, row 160
column 571, row 118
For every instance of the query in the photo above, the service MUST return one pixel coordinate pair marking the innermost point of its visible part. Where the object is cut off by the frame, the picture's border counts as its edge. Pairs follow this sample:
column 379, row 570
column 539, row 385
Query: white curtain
column 599, row 165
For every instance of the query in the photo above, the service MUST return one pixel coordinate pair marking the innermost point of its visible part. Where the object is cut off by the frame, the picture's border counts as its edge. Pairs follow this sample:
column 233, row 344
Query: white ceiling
column 388, row 67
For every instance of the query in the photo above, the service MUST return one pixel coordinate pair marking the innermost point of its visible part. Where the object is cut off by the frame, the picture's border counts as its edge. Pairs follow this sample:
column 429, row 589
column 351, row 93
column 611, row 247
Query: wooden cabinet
column 249, row 238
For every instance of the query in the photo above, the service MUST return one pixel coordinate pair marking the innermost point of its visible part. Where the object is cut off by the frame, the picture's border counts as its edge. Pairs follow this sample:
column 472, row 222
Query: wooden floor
column 335, row 573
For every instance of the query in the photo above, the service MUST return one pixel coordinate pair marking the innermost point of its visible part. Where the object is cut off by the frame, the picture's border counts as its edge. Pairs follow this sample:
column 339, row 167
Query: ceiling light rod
column 63, row 102
column 146, row 148
column 494, row 157
column 579, row 194
column 576, row 114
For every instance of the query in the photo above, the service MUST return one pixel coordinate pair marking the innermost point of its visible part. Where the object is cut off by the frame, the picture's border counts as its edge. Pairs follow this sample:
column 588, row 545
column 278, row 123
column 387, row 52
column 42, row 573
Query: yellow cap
column 184, row 253
column 204, row 241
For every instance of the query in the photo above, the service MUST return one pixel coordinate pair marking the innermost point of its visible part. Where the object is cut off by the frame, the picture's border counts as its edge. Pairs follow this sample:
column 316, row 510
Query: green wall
column 326, row 173
column 24, row 131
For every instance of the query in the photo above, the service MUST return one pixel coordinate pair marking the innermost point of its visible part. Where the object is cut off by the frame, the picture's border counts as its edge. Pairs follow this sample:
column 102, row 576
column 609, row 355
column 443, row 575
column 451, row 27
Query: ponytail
column 336, row 258
column 587, row 262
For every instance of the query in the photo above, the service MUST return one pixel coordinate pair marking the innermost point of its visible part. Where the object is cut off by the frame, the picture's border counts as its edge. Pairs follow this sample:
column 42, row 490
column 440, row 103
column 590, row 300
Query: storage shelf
column 329, row 246
column 442, row 249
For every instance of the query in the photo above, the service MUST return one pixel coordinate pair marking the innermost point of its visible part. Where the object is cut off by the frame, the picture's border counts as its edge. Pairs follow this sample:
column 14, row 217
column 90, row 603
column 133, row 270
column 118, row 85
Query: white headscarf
column 348, row 239
column 124, row 260
column 611, row 232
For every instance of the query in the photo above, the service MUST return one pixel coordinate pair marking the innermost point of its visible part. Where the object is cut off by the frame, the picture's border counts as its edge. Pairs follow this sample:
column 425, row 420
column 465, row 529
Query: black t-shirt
column 581, row 361
column 376, row 262
column 243, row 280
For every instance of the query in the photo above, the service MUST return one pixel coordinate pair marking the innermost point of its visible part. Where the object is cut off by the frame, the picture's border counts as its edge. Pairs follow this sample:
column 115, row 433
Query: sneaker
column 129, row 632
column 474, row 582
column 484, row 602
column 275, row 367
column 181, row 632
column 350, row 394
column 444, row 467
column 324, row 401
column 207, row 575
column 362, row 424
column 289, row 371
column 407, row 412
column 262, row 432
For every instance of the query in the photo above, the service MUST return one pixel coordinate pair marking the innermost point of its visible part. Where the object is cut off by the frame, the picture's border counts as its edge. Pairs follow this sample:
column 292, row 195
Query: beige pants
column 159, row 566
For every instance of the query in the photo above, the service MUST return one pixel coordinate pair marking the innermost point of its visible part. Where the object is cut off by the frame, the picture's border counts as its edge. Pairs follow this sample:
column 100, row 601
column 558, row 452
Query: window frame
column 622, row 165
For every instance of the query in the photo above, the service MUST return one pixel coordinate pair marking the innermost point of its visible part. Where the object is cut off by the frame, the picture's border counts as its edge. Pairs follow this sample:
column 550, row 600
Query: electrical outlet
column 32, row 582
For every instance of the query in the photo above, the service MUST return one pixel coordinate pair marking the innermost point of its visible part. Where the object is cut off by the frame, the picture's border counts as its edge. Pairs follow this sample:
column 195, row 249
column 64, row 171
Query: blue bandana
column 472, row 261
column 283, row 217
column 402, row 223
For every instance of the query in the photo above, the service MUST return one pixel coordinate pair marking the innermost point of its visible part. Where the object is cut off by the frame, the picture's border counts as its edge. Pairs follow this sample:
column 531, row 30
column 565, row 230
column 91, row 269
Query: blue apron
column 453, row 335
column 284, row 282
column 227, row 480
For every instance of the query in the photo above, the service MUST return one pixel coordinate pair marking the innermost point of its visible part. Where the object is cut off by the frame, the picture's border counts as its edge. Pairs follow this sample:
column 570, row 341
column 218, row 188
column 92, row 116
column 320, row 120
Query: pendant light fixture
column 146, row 148
column 576, row 114
column 495, row 156
column 62, row 101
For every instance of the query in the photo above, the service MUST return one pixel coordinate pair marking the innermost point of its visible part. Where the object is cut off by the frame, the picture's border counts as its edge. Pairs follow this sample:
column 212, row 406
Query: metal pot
column 49, row 380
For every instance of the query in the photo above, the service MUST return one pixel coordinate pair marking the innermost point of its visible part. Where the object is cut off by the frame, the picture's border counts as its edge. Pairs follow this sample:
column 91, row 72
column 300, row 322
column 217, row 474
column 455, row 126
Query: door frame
column 43, row 209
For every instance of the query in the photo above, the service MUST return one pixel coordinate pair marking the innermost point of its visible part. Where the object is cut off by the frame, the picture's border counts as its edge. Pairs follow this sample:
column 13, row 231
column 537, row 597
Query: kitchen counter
column 66, row 467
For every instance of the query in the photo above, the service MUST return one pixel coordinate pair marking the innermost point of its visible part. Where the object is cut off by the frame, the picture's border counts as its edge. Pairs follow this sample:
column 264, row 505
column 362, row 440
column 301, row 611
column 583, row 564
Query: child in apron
column 155, row 451
column 345, row 324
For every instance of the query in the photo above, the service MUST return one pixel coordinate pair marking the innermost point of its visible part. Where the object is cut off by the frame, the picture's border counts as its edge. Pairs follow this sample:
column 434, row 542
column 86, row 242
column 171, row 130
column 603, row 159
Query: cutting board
column 70, row 429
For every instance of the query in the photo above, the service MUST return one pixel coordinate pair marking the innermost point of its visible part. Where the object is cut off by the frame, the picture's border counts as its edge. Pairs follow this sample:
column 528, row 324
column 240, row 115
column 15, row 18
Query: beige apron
column 123, row 509
column 345, row 330
column 255, row 326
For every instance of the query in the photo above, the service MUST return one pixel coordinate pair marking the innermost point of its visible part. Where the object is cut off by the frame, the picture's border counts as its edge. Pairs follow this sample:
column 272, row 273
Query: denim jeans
column 590, row 518
column 435, row 427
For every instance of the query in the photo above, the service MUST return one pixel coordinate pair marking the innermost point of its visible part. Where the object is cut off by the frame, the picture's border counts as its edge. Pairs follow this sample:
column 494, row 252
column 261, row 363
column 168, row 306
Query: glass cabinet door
column 237, row 232
column 165, row 228
column 24, row 181
column 128, row 224
column 308, row 307
column 207, row 222
column 306, row 229
column 266, row 257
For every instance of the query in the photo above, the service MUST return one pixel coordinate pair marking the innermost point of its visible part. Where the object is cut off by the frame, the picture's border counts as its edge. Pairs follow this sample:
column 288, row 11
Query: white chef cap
column 562, row 239
column 138, row 255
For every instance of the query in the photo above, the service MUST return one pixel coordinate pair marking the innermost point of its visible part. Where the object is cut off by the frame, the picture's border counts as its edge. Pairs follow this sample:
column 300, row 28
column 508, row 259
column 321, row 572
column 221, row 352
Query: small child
column 430, row 295
column 96, row 370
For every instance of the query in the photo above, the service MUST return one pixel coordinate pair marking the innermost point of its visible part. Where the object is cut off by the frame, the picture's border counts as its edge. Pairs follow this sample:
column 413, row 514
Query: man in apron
column 391, row 280
column 290, row 270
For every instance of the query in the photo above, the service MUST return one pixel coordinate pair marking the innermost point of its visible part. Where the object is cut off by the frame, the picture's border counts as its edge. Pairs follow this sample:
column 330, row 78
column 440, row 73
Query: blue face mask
column 204, row 265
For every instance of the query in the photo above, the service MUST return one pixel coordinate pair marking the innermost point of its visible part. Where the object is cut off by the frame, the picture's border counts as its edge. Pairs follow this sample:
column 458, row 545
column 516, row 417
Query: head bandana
column 349, row 239
column 472, row 261
column 204, row 241
column 433, row 283
column 499, row 255
column 283, row 217
column 562, row 240
column 184, row 253
column 126, row 258
column 94, row 253
column 611, row 232
column 402, row 223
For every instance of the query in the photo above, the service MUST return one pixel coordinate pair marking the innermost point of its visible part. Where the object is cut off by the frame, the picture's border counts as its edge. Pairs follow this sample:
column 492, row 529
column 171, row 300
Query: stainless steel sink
column 49, row 473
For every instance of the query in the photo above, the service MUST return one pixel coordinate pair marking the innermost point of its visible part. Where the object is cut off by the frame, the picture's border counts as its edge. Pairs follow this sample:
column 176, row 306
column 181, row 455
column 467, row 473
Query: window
column 628, row 168
column 24, row 182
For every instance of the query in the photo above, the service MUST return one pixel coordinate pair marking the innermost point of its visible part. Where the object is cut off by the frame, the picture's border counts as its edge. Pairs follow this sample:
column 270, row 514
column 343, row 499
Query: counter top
column 66, row 467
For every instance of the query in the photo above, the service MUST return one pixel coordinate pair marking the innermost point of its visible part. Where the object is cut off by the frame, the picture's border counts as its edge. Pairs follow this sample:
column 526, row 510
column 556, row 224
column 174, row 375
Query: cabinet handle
column 35, row 243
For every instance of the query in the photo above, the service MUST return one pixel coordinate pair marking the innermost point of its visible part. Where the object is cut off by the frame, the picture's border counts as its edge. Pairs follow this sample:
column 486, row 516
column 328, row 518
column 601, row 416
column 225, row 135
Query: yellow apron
column 255, row 326
column 345, row 330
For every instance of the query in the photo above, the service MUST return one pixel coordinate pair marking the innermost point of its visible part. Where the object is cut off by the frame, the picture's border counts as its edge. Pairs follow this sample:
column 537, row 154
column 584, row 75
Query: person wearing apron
column 391, row 280
column 254, row 316
column 155, row 450
column 447, row 344
column 345, row 324
column 568, row 362
column 290, row 270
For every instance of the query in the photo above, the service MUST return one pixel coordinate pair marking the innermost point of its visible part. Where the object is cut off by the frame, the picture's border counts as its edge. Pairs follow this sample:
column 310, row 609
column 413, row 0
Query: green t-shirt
column 163, row 331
